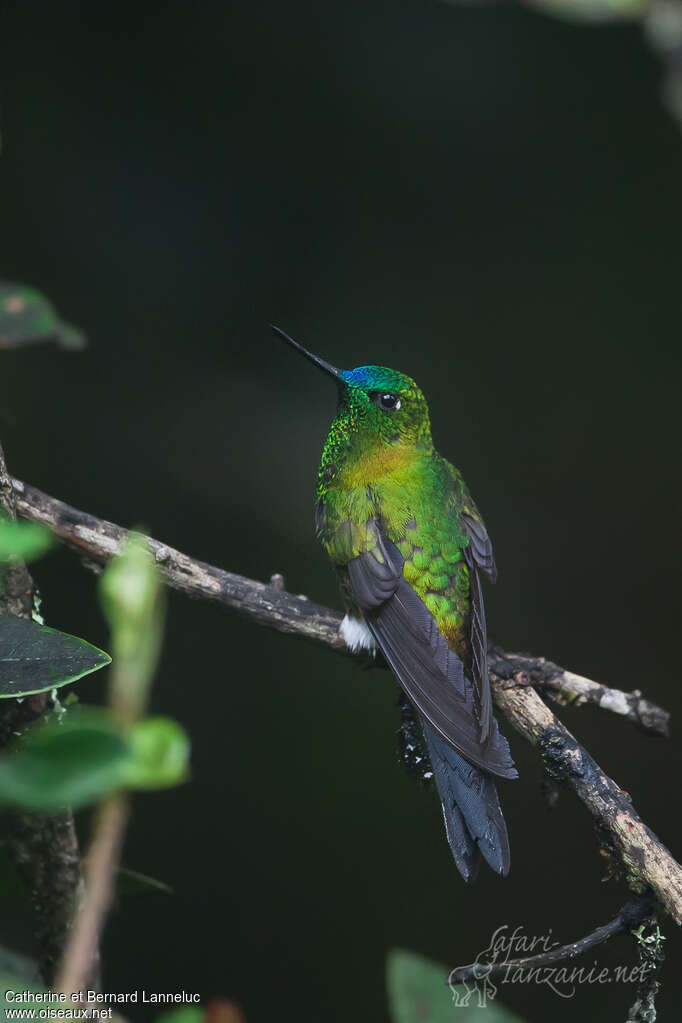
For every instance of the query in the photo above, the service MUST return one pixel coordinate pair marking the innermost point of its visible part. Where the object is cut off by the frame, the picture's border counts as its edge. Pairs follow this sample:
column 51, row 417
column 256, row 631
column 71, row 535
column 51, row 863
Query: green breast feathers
column 419, row 507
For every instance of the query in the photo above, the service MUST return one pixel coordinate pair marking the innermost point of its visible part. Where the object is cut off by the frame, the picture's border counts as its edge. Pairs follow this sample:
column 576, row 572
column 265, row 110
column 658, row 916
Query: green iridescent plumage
column 383, row 466
column 409, row 546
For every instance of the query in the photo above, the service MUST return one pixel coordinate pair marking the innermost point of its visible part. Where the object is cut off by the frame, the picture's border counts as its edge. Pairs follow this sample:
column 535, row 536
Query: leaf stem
column 81, row 955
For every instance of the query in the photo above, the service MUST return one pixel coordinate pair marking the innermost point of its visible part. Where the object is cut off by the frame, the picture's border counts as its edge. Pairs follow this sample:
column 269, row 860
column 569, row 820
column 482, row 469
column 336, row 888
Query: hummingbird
column 410, row 547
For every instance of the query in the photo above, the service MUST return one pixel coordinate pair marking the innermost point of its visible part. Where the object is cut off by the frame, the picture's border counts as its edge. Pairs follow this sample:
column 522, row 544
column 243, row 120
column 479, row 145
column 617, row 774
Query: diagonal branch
column 98, row 540
column 623, row 836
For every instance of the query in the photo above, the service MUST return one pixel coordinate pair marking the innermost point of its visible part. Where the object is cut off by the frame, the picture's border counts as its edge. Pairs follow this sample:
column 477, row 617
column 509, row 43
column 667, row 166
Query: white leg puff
column 356, row 635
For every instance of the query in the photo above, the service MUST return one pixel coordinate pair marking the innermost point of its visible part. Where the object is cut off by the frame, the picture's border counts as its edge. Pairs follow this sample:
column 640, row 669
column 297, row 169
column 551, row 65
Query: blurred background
column 485, row 197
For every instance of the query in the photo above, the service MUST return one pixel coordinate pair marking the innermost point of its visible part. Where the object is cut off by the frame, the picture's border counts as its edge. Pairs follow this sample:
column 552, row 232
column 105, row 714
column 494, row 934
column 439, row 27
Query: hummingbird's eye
column 390, row 402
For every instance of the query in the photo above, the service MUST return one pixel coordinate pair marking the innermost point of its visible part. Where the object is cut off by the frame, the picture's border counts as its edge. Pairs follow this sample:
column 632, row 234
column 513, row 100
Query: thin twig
column 102, row 861
column 643, row 859
column 566, row 688
column 133, row 603
column 633, row 913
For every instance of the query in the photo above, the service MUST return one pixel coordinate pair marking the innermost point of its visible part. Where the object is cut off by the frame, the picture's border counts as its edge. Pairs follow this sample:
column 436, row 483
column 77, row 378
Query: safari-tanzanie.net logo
column 513, row 957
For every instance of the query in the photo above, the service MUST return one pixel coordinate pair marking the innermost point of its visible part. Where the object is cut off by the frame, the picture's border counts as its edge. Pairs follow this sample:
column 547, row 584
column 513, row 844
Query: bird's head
column 377, row 405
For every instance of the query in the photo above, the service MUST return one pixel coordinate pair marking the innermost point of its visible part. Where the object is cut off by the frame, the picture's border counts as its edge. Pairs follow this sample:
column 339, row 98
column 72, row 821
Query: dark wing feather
column 431, row 673
column 479, row 650
column 374, row 575
column 480, row 545
column 479, row 555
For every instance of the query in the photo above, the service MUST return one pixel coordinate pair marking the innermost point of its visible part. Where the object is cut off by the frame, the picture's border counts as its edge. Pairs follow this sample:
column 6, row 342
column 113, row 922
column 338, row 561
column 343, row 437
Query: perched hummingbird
column 409, row 545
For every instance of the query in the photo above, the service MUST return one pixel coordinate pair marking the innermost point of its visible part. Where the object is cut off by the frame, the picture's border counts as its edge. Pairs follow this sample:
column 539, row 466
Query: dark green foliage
column 185, row 1014
column 35, row 658
column 81, row 756
column 19, row 966
column 72, row 762
column 27, row 317
column 159, row 750
column 418, row 993
column 11, row 884
column 17, row 973
column 25, row 540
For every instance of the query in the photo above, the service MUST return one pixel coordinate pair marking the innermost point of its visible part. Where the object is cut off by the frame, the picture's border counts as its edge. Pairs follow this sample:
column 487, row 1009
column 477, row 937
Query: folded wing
column 430, row 672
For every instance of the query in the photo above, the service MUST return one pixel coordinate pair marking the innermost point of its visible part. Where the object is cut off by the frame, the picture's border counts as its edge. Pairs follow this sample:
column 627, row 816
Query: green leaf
column 186, row 1014
column 592, row 10
column 13, row 980
column 35, row 658
column 159, row 754
column 26, row 540
column 84, row 755
column 19, row 966
column 130, row 882
column 132, row 599
column 71, row 762
column 27, row 317
column 418, row 993
column 218, row 1011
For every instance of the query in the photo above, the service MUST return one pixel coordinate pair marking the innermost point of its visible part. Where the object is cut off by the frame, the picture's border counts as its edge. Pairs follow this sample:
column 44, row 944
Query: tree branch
column 643, row 860
column 98, row 540
column 633, row 913
column 568, row 689
column 623, row 836
column 44, row 849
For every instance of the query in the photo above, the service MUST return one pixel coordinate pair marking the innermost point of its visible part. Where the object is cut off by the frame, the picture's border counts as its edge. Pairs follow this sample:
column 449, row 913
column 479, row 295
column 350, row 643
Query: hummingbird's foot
column 411, row 750
column 357, row 636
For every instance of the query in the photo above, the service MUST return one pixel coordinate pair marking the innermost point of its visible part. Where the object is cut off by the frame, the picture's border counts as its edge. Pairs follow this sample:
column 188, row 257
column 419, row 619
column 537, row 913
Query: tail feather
column 474, row 823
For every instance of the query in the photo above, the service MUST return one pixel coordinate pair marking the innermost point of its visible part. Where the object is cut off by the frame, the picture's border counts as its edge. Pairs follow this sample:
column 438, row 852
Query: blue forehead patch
column 379, row 378
column 361, row 376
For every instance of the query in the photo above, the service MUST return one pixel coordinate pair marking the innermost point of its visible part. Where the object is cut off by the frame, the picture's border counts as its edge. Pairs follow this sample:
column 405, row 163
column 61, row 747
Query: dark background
column 485, row 198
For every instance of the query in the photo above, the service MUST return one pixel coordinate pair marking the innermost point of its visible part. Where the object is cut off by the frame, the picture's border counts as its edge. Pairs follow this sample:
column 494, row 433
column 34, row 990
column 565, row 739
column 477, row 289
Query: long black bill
column 326, row 367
